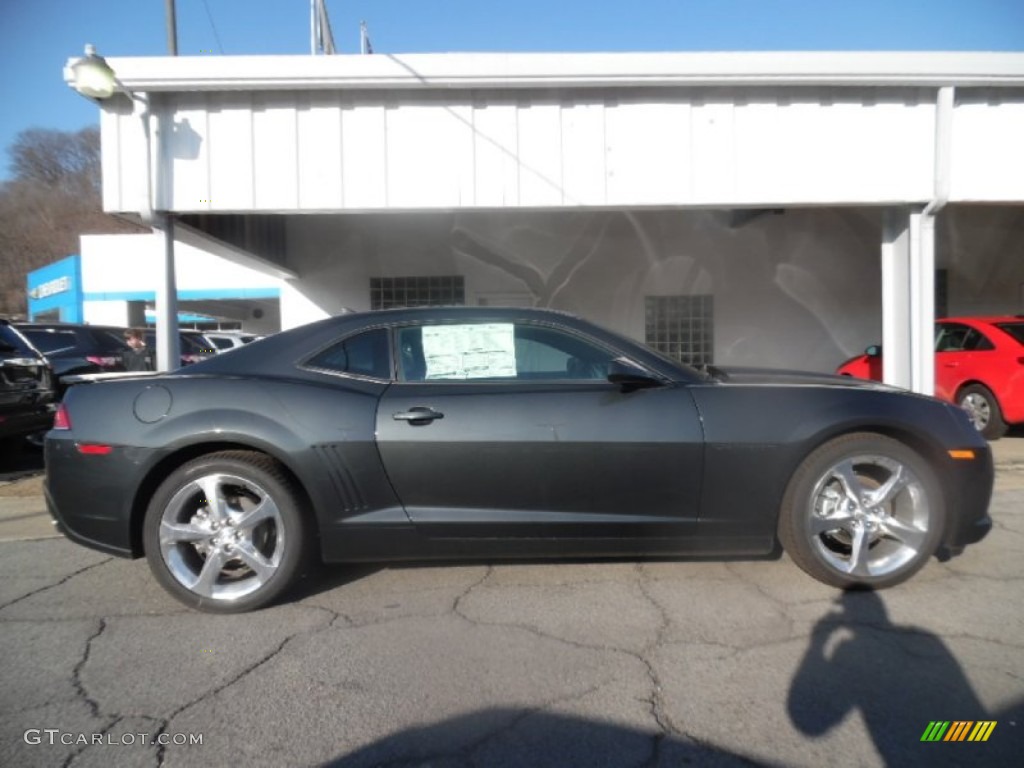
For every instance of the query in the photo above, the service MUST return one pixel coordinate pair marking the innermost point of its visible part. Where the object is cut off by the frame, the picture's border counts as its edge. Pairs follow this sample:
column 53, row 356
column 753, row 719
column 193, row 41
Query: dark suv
column 74, row 349
column 26, row 386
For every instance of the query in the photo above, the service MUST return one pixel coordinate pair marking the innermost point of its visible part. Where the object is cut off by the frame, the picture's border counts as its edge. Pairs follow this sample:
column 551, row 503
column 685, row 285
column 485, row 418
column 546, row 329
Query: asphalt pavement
column 595, row 663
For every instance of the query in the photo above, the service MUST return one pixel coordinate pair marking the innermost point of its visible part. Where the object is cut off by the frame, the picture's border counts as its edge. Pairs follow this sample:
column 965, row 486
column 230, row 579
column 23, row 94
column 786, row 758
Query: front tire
column 225, row 533
column 862, row 511
column 983, row 409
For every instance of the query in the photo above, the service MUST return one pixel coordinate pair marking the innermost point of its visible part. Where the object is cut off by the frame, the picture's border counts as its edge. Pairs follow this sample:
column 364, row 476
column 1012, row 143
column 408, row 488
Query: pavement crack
column 76, row 673
column 465, row 593
column 654, row 701
column 81, row 693
column 265, row 659
column 55, row 584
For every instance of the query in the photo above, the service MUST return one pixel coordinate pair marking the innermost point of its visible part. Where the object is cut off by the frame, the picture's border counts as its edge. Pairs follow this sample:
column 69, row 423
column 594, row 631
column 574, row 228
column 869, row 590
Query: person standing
column 137, row 358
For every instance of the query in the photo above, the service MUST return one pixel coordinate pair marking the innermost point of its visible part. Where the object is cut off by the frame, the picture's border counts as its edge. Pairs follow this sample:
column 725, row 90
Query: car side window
column 956, row 337
column 951, row 337
column 976, row 341
column 498, row 352
column 365, row 354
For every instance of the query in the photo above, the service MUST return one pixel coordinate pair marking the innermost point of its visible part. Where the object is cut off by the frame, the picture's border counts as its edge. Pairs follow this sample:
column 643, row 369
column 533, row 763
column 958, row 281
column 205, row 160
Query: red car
column 979, row 364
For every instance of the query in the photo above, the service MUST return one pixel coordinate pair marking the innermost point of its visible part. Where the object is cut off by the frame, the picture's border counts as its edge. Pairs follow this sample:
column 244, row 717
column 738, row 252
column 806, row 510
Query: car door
column 512, row 428
column 960, row 356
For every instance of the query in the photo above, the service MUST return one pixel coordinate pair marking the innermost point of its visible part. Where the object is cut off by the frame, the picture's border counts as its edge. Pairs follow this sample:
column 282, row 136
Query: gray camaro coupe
column 490, row 433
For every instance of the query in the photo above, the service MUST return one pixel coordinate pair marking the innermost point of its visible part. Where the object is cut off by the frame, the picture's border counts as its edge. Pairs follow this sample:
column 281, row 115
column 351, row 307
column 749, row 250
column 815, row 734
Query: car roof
column 69, row 327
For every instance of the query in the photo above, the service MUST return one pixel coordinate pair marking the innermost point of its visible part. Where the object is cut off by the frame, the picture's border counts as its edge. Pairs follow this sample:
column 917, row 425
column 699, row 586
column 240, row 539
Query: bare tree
column 53, row 198
column 57, row 158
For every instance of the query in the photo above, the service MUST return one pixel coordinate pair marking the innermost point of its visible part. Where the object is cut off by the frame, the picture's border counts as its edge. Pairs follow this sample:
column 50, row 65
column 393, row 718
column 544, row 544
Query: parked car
column 194, row 346
column 469, row 432
column 75, row 349
column 979, row 365
column 225, row 340
column 26, row 386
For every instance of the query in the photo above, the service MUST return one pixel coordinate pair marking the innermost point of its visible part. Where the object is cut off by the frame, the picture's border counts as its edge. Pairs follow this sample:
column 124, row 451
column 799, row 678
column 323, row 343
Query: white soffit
column 525, row 70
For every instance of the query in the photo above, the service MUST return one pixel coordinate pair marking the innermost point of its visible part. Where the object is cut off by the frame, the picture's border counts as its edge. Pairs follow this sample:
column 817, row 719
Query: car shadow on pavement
column 899, row 680
column 323, row 577
column 530, row 737
column 19, row 460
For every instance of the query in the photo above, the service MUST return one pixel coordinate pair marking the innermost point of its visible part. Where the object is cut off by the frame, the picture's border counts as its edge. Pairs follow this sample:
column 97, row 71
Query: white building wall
column 988, row 147
column 131, row 263
column 106, row 313
column 797, row 290
column 800, row 289
column 359, row 151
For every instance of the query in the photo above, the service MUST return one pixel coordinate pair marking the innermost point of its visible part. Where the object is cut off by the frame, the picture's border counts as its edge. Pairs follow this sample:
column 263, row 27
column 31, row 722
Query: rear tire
column 983, row 408
column 240, row 552
column 862, row 511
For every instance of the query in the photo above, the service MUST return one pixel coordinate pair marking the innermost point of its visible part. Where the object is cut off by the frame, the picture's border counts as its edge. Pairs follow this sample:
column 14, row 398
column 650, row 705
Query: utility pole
column 172, row 28
column 167, row 341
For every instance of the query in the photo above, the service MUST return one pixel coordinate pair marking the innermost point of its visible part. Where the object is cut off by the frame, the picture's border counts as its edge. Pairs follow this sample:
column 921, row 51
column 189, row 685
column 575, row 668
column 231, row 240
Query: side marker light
column 962, row 454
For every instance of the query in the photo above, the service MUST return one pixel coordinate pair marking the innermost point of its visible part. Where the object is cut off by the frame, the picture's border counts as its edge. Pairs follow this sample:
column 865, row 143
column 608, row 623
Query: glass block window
column 681, row 327
column 391, row 292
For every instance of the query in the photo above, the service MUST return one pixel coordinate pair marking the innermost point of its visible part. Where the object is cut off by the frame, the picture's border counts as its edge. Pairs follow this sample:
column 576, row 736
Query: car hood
column 780, row 377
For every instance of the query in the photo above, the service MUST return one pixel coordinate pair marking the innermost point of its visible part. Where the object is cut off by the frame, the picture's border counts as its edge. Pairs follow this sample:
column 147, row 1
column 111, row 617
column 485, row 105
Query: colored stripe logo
column 958, row 730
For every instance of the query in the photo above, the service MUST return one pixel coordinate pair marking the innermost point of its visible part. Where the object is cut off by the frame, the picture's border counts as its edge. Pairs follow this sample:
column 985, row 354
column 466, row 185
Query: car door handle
column 420, row 414
column 952, row 365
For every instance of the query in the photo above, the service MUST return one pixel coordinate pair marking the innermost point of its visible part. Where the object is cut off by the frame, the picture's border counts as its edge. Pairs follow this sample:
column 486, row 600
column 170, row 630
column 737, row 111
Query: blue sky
column 37, row 36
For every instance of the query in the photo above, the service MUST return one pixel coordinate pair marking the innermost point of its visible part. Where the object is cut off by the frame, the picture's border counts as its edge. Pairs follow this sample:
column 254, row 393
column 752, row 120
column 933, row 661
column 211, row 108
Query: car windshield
column 11, row 338
column 1014, row 329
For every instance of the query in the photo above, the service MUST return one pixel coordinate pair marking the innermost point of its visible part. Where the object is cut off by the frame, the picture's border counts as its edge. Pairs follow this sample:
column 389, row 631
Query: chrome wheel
column 978, row 409
column 862, row 510
column 982, row 408
column 868, row 516
column 222, row 536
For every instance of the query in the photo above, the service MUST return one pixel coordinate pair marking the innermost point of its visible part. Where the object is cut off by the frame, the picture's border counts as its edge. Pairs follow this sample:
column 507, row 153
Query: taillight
column 61, row 419
column 102, row 361
column 94, row 449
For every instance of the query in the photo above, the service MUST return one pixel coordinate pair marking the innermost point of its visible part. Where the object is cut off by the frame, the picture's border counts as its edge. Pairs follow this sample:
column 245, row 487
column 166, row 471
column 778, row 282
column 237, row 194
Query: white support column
column 896, row 297
column 168, row 354
column 908, row 300
column 922, row 303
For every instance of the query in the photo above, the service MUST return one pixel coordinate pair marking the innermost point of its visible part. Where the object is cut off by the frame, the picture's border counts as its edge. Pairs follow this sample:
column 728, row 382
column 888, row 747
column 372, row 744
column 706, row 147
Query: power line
column 213, row 27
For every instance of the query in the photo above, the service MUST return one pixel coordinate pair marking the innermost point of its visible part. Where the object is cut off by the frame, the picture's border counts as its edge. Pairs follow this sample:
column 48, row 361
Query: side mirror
column 630, row 377
column 873, row 351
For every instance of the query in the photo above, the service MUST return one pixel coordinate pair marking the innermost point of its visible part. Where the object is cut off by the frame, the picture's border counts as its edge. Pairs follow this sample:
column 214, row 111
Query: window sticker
column 481, row 351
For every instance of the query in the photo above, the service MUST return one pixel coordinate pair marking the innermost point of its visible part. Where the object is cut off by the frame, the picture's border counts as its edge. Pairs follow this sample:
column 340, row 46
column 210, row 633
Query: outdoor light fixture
column 91, row 76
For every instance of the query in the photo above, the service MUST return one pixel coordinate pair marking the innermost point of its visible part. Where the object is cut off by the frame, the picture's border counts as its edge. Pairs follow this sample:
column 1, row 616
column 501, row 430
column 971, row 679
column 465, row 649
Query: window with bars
column 391, row 292
column 681, row 327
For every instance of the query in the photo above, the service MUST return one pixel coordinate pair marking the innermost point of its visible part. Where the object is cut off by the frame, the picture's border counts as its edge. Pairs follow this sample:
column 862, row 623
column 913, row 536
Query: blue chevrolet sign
column 55, row 291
